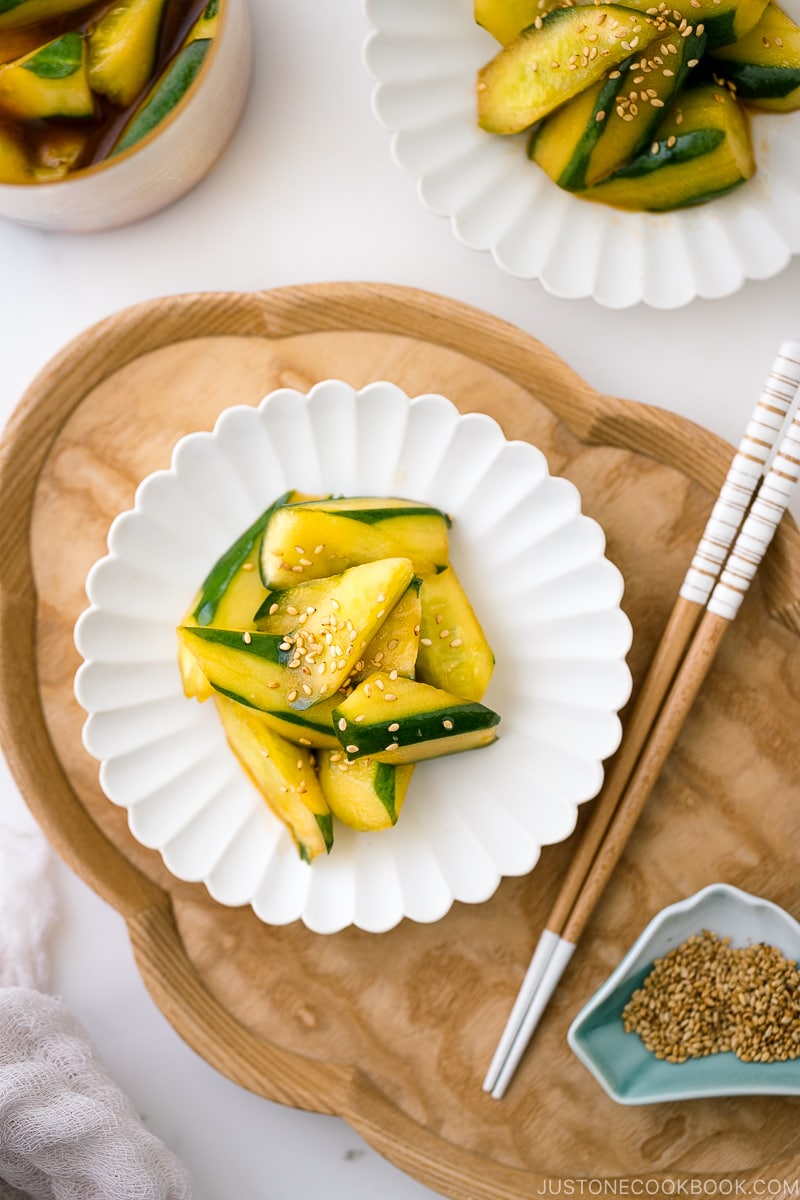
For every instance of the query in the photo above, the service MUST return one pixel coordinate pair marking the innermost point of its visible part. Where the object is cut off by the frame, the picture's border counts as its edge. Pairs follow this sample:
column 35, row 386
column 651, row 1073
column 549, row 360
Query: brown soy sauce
column 98, row 133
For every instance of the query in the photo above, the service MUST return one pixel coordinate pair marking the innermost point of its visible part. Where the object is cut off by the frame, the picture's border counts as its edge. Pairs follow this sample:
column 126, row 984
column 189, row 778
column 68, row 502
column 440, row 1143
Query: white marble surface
column 308, row 192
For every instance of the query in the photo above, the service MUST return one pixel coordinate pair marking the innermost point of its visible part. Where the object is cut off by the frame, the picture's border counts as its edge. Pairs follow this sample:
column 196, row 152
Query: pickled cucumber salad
column 340, row 649
column 638, row 105
column 80, row 82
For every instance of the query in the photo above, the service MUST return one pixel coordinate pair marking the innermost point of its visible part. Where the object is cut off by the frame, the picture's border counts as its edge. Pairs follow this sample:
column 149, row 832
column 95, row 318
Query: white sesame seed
column 342, row 723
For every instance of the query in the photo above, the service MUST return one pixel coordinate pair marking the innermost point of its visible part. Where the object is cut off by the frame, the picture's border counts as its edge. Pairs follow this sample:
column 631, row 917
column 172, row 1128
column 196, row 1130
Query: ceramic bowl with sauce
column 87, row 144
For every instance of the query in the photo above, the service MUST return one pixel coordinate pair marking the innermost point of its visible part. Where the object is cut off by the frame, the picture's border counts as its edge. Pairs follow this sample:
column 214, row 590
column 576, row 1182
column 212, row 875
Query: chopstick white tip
column 561, row 953
column 536, row 968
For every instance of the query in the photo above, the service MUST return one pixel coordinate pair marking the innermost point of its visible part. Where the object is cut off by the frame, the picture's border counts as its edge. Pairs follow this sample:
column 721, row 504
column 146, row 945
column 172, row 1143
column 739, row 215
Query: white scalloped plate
column 535, row 569
column 424, row 55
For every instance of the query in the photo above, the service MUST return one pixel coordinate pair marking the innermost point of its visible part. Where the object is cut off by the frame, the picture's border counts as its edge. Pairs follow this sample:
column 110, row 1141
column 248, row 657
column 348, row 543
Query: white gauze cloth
column 67, row 1132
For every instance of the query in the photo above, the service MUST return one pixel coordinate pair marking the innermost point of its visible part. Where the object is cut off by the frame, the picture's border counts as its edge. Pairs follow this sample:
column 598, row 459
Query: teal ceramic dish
column 619, row 1061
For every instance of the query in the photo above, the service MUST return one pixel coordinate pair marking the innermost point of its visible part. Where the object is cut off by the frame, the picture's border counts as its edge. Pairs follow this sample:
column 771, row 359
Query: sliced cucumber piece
column 245, row 666
column 51, row 81
column 399, row 720
column 554, row 60
column 702, row 149
column 206, row 24
column 724, row 21
column 603, row 128
column 454, row 654
column 505, row 19
column 285, row 776
column 320, row 538
column 764, row 65
column 122, row 49
column 228, row 596
column 364, row 794
column 321, row 652
column 165, row 95
column 396, row 644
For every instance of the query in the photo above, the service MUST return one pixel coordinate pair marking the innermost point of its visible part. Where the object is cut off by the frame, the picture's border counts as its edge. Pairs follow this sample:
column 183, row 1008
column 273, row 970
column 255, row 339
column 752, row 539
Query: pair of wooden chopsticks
column 756, row 493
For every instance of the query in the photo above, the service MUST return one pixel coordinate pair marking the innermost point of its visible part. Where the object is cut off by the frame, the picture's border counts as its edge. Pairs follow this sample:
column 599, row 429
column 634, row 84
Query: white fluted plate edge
column 424, row 55
column 536, row 570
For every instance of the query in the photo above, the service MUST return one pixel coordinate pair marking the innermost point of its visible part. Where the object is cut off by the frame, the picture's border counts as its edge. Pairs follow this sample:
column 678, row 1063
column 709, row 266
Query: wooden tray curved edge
column 269, row 1070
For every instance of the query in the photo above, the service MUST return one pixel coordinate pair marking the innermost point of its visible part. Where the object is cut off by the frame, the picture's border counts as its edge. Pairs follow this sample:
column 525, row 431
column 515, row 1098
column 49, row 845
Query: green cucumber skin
column 10, row 5
column 425, row 727
column 384, row 787
column 286, row 714
column 219, row 577
column 706, row 196
column 720, row 30
column 376, row 516
column 688, row 146
column 325, row 823
column 756, row 82
column 261, row 645
column 58, row 59
column 167, row 94
column 573, row 177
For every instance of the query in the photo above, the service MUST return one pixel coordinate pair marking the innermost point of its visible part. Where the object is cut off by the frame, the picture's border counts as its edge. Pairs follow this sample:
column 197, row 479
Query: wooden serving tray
column 394, row 1032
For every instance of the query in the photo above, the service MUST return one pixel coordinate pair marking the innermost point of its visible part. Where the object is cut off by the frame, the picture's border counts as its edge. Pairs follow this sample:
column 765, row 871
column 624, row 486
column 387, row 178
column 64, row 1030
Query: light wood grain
column 378, row 1028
